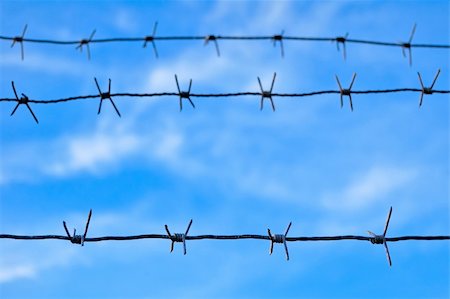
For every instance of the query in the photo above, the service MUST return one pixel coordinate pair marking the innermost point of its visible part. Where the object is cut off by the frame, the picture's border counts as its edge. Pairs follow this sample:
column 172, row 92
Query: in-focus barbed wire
column 188, row 95
column 275, row 38
column 273, row 238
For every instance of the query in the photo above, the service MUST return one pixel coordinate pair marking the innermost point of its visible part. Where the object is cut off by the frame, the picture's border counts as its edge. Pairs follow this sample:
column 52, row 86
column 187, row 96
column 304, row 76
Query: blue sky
column 230, row 167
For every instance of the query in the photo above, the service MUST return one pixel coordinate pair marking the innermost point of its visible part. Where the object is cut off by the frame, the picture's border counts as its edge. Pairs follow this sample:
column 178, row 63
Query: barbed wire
column 273, row 238
column 187, row 95
column 276, row 38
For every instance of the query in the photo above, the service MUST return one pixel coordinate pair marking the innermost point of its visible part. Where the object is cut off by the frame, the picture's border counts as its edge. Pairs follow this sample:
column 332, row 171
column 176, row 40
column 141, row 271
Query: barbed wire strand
column 273, row 238
column 276, row 38
column 187, row 95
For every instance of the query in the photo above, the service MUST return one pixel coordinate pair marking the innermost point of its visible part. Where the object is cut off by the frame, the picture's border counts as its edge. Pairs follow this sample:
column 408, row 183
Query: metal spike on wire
column 267, row 94
column 427, row 90
column 381, row 239
column 151, row 39
column 346, row 91
column 342, row 40
column 184, row 94
column 86, row 42
column 22, row 100
column 19, row 39
column 78, row 239
column 212, row 38
column 105, row 95
column 183, row 237
column 278, row 238
column 178, row 237
column 279, row 38
column 407, row 45
column 262, row 94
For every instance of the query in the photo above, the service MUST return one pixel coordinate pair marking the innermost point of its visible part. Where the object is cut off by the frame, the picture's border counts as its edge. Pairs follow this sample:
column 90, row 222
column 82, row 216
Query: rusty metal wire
column 273, row 238
column 275, row 38
column 188, row 95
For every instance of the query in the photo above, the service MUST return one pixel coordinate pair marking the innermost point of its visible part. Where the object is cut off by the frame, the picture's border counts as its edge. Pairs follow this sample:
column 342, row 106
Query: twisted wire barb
column 183, row 237
column 275, row 38
column 187, row 95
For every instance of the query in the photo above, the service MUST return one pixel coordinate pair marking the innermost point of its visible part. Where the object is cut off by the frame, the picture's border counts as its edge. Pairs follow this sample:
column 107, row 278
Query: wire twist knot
column 267, row 94
column 78, row 239
column 427, row 90
column 279, row 238
column 381, row 239
column 178, row 237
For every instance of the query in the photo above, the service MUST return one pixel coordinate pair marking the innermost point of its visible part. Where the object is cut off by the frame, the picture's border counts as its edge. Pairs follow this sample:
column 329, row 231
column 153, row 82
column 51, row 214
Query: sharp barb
column 21, row 51
column 189, row 227
column 109, row 86
column 421, row 100
column 339, row 83
column 286, row 250
column 15, row 108
column 168, row 231
column 273, row 82
column 282, row 48
column 344, row 52
column 273, row 105
column 190, row 85
column 353, row 81
column 288, row 228
column 171, row 246
column 32, row 113
column 371, row 233
column 342, row 101
column 260, row 85
column 14, row 89
column 388, row 255
column 87, row 223
column 24, row 30
column 184, row 246
column 67, row 231
column 100, row 106
column 269, row 233
column 92, row 34
column 261, row 105
column 217, row 48
column 435, row 78
column 410, row 56
column 155, row 50
column 412, row 33
column 387, row 222
column 271, row 247
column 98, row 87
column 115, row 108
column 181, row 104
column 154, row 28
column 192, row 103
column 88, row 51
column 351, row 102
column 178, row 85
column 420, row 80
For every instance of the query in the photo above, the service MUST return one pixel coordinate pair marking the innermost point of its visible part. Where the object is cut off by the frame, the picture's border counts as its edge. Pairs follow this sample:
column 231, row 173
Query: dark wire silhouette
column 343, row 40
column 265, row 94
column 273, row 238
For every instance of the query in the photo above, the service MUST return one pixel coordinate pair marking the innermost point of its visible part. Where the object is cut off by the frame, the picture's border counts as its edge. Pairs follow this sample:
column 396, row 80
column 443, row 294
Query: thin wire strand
column 225, row 37
column 223, row 95
column 226, row 237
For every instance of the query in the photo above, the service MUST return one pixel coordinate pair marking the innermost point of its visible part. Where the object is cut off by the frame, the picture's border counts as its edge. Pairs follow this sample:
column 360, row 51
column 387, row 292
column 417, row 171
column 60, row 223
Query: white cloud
column 369, row 188
column 15, row 272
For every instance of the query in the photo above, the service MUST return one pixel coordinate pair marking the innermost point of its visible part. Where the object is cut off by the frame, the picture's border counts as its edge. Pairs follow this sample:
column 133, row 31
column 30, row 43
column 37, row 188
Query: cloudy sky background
column 230, row 167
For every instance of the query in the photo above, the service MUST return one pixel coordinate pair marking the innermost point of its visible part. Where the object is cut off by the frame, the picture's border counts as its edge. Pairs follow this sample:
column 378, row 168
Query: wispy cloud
column 369, row 188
